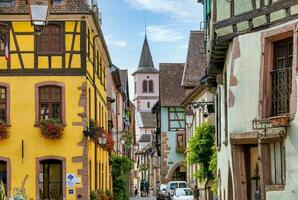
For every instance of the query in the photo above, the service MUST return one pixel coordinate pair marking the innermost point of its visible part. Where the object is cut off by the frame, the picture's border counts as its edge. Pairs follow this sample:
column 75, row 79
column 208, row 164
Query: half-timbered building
column 59, row 76
column 172, row 123
column 251, row 48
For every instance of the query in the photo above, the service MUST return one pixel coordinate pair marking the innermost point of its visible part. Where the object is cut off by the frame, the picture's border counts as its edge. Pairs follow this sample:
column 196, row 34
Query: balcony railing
column 281, row 91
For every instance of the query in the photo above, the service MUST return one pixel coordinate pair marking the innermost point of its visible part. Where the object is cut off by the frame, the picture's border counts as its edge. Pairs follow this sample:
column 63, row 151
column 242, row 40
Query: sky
column 168, row 24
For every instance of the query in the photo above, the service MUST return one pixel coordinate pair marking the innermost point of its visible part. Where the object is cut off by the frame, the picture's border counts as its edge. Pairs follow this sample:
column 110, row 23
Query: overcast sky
column 169, row 23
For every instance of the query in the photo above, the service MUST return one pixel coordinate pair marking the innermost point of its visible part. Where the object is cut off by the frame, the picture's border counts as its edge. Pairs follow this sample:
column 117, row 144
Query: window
column 3, row 37
column 148, row 104
column 89, row 102
column 50, row 179
column 145, row 87
column 100, row 71
column 3, row 104
column 88, row 43
column 98, row 62
column 173, row 186
column 6, row 2
column 150, row 86
column 180, row 147
column 3, row 173
column 277, row 158
column 50, row 102
column 135, row 87
column 50, row 41
column 281, row 77
column 218, row 118
column 176, row 118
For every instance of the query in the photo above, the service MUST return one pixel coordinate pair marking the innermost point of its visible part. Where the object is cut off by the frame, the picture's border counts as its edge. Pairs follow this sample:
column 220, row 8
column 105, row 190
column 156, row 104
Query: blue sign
column 70, row 192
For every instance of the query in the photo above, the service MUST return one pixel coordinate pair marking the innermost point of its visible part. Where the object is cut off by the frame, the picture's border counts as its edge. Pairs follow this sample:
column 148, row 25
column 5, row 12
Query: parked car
column 161, row 193
column 183, row 194
column 172, row 185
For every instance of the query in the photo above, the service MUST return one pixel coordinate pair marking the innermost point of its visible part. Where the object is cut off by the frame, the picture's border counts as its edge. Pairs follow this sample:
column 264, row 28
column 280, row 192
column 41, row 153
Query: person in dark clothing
column 196, row 193
column 136, row 191
column 147, row 188
column 142, row 187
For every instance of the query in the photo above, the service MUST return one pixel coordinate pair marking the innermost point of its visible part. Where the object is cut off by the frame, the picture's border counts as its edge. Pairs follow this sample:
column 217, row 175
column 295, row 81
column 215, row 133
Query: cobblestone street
column 142, row 198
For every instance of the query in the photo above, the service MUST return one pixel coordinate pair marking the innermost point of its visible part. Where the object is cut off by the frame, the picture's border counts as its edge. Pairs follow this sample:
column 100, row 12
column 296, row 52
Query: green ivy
column 120, row 170
column 201, row 150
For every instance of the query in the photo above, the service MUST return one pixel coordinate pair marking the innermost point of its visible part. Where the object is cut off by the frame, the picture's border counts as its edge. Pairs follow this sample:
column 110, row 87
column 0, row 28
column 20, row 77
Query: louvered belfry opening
column 281, row 77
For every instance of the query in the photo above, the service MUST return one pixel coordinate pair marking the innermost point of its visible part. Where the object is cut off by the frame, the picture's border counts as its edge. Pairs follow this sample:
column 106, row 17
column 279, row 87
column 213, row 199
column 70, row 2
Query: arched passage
column 178, row 172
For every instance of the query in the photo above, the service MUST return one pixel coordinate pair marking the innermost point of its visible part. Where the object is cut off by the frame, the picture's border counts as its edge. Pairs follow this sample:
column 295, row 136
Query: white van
column 172, row 185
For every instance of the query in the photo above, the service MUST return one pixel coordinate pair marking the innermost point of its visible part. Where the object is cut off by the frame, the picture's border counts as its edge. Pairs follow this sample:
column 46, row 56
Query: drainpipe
column 95, row 109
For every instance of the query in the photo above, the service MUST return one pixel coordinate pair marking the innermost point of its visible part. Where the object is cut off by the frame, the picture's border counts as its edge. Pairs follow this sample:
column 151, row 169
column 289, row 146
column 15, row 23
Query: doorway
column 246, row 171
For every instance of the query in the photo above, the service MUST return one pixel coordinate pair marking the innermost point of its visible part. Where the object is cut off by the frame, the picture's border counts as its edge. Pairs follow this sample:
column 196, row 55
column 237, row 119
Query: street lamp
column 39, row 12
column 189, row 117
column 102, row 140
column 122, row 141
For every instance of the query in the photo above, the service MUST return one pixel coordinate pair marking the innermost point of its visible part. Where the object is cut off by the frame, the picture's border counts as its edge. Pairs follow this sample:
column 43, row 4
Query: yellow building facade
column 57, row 76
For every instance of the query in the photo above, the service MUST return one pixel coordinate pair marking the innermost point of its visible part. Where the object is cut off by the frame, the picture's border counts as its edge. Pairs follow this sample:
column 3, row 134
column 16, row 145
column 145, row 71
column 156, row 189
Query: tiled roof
column 171, row 91
column 148, row 119
column 145, row 138
column 67, row 6
column 195, row 65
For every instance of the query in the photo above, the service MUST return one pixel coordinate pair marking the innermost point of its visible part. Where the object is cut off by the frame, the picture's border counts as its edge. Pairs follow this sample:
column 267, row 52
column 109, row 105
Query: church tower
column 146, row 81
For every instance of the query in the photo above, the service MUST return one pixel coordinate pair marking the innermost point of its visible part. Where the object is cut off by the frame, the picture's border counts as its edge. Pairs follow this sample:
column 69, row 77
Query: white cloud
column 161, row 33
column 184, row 10
column 117, row 43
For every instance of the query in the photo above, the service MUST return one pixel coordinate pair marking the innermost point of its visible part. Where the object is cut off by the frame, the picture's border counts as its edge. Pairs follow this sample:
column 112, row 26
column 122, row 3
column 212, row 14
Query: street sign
column 70, row 179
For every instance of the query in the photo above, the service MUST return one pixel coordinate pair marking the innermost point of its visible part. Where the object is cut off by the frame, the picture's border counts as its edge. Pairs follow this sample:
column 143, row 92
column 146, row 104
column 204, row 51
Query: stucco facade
column 244, row 86
column 83, row 98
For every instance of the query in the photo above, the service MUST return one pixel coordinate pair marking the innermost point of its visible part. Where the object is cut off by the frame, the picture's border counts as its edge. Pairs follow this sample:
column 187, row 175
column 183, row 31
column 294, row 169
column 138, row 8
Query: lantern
column 189, row 117
column 39, row 12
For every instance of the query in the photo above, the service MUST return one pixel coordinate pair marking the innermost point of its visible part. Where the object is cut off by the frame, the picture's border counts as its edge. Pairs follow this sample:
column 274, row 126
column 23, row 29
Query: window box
column 3, row 130
column 51, row 128
column 280, row 121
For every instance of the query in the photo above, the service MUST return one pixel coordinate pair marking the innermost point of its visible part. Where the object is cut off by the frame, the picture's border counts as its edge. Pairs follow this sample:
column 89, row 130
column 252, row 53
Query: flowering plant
column 51, row 128
column 110, row 142
column 3, row 130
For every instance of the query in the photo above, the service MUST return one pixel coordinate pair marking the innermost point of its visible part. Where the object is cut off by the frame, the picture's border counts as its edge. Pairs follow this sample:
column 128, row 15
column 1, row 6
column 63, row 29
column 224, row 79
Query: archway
column 178, row 172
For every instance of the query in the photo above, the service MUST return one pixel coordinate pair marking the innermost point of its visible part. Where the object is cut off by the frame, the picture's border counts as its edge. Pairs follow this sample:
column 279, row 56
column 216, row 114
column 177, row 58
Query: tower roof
column 146, row 63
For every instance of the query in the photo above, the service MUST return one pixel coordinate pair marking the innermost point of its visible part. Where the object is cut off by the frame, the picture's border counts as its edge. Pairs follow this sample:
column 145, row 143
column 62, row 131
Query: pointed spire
column 146, row 58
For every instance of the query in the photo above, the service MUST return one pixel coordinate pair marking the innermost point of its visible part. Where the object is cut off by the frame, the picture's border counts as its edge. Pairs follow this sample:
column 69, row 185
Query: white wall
column 245, row 109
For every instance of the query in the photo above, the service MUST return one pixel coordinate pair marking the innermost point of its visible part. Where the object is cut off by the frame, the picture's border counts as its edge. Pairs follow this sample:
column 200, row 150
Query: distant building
column 146, row 94
column 197, row 93
column 172, row 122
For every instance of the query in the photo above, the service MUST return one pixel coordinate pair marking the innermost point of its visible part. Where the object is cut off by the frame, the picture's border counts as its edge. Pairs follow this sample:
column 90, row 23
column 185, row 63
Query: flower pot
column 280, row 121
column 51, row 129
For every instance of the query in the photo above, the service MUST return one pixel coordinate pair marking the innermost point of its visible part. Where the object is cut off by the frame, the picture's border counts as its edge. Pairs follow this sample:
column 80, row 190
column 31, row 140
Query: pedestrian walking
column 136, row 192
column 142, row 187
column 147, row 188
column 196, row 193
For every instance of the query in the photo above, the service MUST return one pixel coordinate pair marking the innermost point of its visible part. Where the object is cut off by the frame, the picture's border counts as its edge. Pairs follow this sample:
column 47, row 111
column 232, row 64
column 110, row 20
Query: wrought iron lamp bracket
column 263, row 125
column 204, row 107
